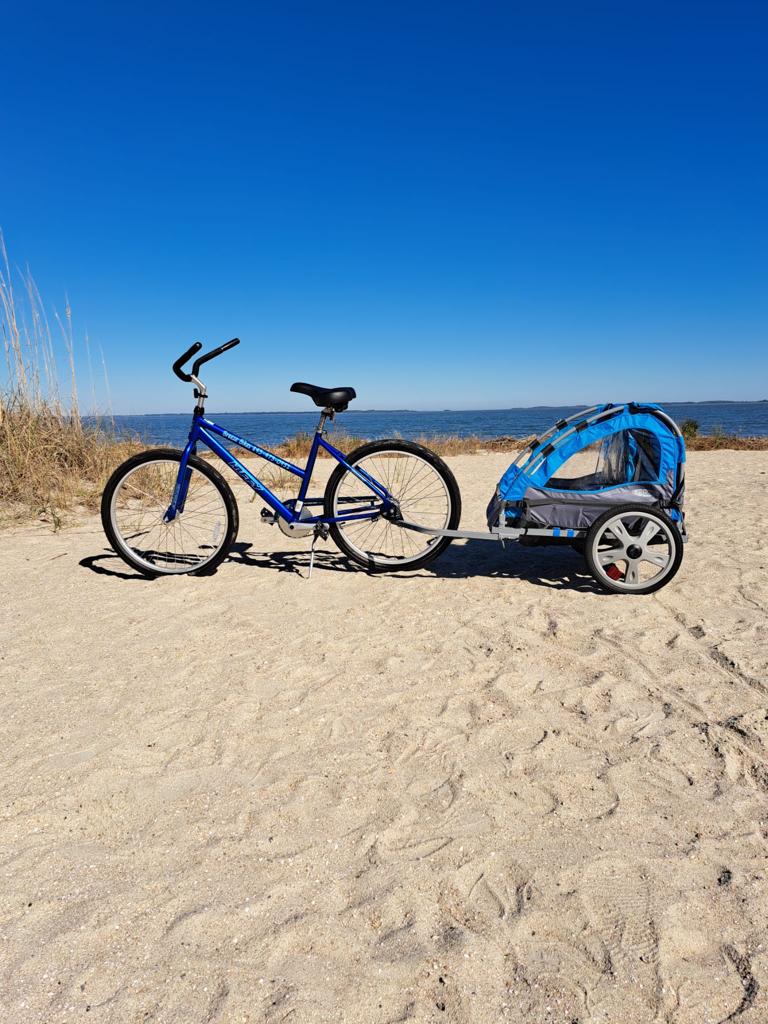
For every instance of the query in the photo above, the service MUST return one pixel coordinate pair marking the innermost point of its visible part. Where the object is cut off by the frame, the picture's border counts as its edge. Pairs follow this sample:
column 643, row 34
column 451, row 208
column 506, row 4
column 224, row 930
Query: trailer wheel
column 633, row 550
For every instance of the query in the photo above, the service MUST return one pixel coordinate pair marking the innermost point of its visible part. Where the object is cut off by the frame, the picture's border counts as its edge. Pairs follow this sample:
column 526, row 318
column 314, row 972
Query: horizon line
column 508, row 408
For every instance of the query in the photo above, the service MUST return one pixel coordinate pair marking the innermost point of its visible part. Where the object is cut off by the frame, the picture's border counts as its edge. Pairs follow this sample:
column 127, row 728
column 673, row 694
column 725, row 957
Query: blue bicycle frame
column 205, row 432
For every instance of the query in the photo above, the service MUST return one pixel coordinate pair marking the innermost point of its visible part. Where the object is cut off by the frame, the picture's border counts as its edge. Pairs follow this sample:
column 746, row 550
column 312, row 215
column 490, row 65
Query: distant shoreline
column 427, row 412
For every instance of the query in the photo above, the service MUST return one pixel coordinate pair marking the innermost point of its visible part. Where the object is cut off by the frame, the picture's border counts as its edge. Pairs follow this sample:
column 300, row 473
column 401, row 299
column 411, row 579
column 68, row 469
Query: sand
column 482, row 792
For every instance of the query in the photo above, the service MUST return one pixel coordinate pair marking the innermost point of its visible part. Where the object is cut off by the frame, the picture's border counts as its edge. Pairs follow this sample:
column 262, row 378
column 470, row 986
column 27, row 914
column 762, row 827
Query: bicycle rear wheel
column 425, row 489
column 134, row 504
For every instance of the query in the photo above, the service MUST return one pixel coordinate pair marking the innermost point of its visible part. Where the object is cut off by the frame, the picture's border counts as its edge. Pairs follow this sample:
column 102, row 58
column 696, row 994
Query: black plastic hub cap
column 633, row 551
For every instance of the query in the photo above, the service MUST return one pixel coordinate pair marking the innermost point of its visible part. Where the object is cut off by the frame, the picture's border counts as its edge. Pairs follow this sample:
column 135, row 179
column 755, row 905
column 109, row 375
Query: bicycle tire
column 118, row 541
column 376, row 562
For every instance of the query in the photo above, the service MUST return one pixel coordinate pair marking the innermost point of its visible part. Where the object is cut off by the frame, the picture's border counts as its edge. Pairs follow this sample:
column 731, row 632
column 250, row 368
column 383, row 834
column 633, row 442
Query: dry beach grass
column 481, row 792
column 50, row 460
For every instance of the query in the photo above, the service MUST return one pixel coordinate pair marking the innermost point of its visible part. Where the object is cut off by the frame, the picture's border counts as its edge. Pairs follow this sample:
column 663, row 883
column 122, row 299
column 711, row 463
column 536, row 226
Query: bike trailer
column 600, row 458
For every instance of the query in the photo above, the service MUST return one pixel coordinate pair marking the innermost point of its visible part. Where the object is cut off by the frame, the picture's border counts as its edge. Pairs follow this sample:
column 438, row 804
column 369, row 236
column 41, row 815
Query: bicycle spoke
column 421, row 496
column 190, row 539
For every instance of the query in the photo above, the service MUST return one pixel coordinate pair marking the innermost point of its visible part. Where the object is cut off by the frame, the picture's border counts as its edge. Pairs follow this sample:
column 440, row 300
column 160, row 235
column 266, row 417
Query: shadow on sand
column 114, row 567
column 556, row 568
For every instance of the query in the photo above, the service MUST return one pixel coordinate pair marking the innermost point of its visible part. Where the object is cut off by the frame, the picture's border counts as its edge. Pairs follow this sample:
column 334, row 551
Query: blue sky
column 444, row 205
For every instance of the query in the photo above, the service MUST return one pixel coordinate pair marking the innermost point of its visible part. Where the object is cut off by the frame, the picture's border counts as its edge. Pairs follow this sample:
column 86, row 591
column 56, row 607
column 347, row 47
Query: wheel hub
column 634, row 551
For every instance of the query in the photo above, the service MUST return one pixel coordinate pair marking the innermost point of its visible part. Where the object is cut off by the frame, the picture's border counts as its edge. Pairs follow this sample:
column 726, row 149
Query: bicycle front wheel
column 425, row 489
column 134, row 505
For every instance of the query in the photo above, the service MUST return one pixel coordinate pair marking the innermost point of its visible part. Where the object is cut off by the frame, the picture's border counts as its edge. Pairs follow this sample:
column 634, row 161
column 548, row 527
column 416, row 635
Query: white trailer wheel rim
column 651, row 546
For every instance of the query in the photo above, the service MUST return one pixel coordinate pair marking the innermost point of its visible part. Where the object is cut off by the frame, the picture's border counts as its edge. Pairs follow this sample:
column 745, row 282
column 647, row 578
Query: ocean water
column 270, row 428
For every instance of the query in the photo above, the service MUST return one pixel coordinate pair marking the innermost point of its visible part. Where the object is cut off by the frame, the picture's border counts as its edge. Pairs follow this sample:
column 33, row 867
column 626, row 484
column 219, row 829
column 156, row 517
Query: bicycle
column 168, row 511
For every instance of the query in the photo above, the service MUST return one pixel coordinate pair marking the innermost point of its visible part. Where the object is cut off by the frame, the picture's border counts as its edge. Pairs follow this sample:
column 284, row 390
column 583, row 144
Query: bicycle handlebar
column 212, row 355
column 182, row 359
column 187, row 377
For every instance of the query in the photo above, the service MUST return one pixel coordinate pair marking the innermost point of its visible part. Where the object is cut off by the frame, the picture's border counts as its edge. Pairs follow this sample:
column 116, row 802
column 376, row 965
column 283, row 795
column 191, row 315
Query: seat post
column 326, row 414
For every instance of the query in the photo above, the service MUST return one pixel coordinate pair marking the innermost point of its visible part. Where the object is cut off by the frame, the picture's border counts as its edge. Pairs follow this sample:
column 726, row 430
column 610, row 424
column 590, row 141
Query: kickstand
column 320, row 531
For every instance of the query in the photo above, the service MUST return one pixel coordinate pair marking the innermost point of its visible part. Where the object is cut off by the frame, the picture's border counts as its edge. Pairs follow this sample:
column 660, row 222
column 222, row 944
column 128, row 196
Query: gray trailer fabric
column 571, row 509
column 579, row 509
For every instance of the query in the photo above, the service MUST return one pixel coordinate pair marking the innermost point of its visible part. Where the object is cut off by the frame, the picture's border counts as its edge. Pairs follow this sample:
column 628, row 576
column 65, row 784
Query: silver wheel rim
column 190, row 541
column 424, row 499
column 633, row 550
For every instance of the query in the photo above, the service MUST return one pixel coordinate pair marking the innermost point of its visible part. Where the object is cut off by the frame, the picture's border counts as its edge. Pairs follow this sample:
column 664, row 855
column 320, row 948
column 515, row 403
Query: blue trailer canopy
column 622, row 454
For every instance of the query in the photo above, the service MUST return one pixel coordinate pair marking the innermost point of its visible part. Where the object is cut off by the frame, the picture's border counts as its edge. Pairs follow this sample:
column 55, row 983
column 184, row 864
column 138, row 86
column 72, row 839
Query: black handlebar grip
column 212, row 355
column 177, row 366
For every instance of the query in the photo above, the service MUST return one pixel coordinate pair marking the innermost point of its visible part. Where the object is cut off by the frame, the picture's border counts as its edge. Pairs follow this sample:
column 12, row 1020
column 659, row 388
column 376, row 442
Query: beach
column 485, row 791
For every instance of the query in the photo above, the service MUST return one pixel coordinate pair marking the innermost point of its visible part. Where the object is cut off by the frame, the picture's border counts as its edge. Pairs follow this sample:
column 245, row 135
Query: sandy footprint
column 491, row 893
column 706, row 980
column 584, row 794
column 616, row 897
column 410, row 839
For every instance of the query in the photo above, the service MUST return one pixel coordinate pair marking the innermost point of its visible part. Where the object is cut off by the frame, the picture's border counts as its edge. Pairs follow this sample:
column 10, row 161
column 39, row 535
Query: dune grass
column 297, row 447
column 718, row 439
column 51, row 461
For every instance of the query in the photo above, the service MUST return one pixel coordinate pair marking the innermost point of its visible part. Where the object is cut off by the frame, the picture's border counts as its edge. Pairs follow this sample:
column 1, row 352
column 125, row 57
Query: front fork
column 181, row 489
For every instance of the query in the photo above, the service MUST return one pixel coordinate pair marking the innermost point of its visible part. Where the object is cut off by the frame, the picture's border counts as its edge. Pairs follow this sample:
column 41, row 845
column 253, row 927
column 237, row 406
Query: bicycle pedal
column 268, row 516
